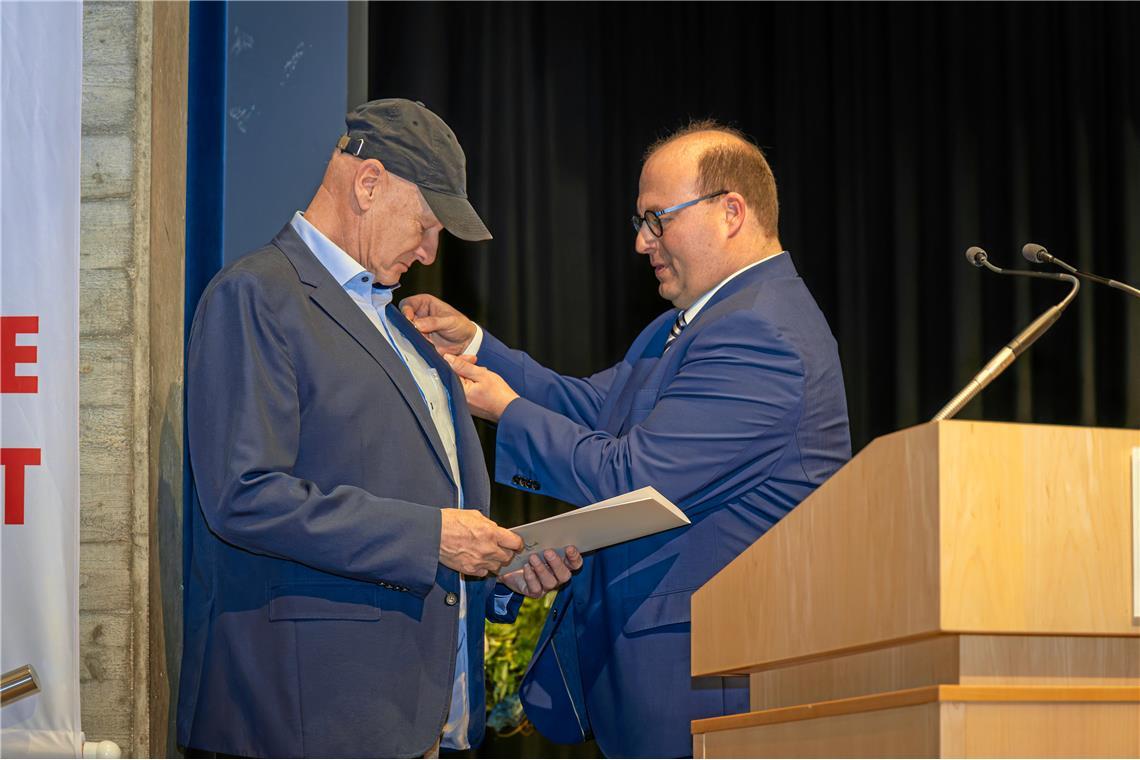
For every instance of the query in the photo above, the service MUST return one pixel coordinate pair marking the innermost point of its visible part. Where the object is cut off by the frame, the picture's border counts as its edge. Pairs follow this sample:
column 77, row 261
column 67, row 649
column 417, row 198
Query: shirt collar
column 692, row 312
column 382, row 295
column 346, row 270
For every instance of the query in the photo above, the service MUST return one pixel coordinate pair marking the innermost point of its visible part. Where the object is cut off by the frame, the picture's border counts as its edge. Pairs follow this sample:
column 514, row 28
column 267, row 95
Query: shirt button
column 451, row 599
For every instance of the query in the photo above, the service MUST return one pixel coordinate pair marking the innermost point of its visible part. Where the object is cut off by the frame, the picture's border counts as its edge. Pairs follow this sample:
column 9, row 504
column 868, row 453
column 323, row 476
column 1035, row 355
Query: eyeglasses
column 652, row 219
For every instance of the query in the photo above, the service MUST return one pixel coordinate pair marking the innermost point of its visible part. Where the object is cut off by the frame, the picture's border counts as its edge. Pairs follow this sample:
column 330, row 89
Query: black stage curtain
column 899, row 135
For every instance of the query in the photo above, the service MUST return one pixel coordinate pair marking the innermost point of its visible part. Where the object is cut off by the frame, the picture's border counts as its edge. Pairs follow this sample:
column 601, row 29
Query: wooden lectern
column 958, row 589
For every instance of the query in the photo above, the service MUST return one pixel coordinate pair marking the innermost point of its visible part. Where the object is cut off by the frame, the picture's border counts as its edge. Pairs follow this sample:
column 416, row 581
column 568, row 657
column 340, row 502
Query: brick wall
column 128, row 346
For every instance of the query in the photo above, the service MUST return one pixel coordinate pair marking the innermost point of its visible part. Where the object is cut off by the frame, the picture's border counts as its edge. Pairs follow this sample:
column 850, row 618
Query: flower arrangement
column 507, row 651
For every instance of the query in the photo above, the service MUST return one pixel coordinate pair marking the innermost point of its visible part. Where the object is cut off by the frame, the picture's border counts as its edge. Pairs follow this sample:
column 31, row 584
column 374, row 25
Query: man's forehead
column 664, row 176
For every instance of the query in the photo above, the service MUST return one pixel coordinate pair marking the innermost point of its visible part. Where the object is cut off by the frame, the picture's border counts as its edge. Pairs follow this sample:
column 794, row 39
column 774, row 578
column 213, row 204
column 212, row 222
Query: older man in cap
column 340, row 549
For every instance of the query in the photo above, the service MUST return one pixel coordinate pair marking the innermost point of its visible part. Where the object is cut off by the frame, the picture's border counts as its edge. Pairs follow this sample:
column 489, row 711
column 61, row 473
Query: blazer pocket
column 323, row 601
column 645, row 613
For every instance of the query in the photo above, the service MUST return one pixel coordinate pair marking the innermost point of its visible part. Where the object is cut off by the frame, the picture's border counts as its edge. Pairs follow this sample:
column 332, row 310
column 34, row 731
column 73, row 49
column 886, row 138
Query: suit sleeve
column 244, row 421
column 727, row 414
column 502, row 603
column 577, row 399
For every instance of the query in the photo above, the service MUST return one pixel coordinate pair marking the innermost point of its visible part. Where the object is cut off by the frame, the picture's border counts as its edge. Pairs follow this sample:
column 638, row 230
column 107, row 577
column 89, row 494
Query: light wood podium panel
column 950, row 555
column 991, row 660
column 938, row 722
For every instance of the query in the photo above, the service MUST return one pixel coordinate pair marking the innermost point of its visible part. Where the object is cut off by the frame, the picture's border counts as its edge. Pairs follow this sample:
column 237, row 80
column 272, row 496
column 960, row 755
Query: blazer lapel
column 472, row 467
column 330, row 296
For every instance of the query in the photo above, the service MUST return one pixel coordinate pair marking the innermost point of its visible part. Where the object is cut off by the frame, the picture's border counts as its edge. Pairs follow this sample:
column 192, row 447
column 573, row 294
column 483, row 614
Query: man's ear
column 367, row 181
column 735, row 213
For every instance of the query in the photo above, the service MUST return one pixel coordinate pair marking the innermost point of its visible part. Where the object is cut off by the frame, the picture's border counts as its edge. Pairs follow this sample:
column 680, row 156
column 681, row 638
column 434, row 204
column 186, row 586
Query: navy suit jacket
column 318, row 620
column 736, row 423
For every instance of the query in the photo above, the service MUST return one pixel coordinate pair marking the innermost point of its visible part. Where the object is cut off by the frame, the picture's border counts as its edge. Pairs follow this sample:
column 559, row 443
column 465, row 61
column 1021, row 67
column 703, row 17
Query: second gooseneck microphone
column 1038, row 254
column 1015, row 347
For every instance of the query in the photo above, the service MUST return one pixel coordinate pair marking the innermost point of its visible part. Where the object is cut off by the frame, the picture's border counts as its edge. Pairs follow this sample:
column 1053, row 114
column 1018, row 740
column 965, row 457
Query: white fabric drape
column 41, row 58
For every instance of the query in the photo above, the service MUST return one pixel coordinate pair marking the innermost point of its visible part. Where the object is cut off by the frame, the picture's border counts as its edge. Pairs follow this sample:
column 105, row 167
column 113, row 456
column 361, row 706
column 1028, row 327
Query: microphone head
column 976, row 255
column 1035, row 253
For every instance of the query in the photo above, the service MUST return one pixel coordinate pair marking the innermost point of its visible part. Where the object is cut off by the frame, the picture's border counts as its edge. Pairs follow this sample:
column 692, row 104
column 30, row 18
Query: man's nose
column 426, row 253
column 645, row 241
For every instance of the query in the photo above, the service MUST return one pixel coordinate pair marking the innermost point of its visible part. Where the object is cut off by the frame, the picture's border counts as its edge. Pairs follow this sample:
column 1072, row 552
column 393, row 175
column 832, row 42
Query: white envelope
column 632, row 515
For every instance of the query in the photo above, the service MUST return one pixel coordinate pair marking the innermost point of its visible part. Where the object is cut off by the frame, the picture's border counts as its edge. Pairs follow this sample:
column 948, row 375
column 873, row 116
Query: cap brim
column 457, row 215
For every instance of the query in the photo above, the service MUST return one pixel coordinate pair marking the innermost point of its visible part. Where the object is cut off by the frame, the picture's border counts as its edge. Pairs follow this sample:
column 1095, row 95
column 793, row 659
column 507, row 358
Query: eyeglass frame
column 643, row 219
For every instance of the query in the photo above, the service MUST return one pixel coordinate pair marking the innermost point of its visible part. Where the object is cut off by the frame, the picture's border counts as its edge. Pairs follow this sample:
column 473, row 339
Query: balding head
column 712, row 200
column 724, row 159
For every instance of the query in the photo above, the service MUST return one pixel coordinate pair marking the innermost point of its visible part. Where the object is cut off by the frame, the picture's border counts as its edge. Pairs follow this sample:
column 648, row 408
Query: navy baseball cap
column 415, row 144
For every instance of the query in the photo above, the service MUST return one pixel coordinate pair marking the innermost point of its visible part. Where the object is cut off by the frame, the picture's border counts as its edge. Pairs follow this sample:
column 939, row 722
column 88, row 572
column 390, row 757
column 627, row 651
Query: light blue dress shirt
column 373, row 300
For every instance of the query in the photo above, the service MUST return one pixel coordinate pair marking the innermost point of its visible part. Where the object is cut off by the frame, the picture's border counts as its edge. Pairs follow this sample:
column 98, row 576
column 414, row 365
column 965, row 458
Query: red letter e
column 12, row 354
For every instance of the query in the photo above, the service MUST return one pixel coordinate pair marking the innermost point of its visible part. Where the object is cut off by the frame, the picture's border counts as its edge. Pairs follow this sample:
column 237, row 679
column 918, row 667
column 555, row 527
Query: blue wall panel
column 286, row 91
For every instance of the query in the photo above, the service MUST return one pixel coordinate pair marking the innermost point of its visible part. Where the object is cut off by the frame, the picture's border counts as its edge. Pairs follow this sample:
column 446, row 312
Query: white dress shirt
column 373, row 300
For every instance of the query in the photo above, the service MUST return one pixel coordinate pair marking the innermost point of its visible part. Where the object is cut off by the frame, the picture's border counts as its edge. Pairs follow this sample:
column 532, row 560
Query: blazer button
column 451, row 599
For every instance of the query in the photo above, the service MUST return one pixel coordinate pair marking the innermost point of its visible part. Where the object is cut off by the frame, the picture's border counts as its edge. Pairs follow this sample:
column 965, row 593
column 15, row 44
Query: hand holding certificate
column 623, row 518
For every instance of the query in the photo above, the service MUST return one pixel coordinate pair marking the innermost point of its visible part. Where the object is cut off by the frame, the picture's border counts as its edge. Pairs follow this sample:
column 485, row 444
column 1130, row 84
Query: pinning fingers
column 463, row 368
column 427, row 324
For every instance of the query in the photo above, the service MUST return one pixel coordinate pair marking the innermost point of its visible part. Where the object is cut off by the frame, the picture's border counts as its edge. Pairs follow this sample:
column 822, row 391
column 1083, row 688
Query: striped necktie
column 675, row 330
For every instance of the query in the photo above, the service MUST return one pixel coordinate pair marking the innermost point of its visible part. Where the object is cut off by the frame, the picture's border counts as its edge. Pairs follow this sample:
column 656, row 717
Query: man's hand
column 537, row 577
column 487, row 394
column 447, row 329
column 474, row 545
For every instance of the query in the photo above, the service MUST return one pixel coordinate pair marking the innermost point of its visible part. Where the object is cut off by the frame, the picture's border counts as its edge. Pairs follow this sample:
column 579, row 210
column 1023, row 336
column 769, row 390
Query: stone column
column 131, row 286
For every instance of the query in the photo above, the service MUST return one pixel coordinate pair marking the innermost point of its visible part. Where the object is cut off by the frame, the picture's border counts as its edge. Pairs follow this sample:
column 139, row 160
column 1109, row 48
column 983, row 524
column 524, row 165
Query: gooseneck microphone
column 1015, row 347
column 1037, row 254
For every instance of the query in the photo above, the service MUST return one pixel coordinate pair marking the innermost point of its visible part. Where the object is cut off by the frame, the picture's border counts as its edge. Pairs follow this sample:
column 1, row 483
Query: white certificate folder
column 632, row 515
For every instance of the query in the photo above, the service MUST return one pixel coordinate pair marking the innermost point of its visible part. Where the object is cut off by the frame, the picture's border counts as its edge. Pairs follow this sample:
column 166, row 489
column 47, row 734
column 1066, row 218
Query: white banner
column 41, row 60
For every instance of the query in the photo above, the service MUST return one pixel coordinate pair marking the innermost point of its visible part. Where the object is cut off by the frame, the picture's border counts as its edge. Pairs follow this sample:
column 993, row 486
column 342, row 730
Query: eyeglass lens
column 650, row 218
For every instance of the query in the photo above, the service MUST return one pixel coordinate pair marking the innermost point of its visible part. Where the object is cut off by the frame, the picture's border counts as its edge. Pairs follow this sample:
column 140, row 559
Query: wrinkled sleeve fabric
column 577, row 399
column 731, row 408
column 244, row 421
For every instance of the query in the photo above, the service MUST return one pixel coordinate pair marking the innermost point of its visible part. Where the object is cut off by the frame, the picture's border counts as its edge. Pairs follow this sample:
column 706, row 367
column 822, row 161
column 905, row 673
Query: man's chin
column 389, row 278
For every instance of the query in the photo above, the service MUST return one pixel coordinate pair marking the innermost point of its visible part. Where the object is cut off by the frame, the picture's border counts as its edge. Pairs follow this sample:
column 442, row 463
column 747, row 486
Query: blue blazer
column 736, row 423
column 318, row 620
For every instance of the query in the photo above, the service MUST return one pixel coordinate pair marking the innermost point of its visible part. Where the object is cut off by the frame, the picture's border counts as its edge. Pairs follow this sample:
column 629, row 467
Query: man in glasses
column 731, row 404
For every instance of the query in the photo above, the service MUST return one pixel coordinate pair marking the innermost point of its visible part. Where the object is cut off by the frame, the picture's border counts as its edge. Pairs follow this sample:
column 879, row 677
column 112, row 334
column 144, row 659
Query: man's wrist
column 475, row 343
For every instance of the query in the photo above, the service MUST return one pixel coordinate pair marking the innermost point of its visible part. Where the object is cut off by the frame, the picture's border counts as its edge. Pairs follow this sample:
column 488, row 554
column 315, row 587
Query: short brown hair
column 735, row 165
